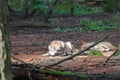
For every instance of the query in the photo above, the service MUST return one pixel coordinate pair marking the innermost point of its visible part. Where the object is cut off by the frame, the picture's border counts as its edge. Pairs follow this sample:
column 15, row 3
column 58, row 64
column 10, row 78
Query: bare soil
column 29, row 43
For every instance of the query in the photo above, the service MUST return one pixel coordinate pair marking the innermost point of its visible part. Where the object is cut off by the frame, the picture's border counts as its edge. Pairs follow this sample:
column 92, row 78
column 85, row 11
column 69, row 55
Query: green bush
column 92, row 26
column 118, row 52
column 85, row 9
column 110, row 5
column 95, row 53
column 68, row 29
column 16, row 5
column 62, row 8
column 57, row 29
column 41, row 5
column 78, row 9
column 99, row 25
column 61, row 11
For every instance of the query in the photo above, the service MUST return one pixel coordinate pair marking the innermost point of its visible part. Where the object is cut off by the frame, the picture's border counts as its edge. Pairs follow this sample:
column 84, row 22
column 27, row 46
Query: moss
column 118, row 52
column 66, row 73
column 95, row 53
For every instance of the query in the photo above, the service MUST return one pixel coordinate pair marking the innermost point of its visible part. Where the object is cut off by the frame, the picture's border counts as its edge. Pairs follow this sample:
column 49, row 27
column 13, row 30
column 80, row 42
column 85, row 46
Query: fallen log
column 36, row 70
column 29, row 23
column 31, row 71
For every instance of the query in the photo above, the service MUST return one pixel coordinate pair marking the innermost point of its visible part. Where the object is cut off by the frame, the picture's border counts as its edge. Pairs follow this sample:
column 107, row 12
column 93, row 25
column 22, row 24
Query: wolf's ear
column 83, row 45
column 83, row 42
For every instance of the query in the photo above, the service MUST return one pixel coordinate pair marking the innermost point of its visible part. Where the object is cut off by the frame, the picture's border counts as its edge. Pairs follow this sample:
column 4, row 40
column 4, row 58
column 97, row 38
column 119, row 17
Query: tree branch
column 76, row 54
column 35, row 70
column 17, row 59
column 29, row 23
column 110, row 57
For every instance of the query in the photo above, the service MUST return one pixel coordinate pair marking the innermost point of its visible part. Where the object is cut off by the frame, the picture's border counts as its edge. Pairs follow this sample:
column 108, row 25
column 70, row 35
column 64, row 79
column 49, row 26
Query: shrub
column 95, row 53
column 110, row 5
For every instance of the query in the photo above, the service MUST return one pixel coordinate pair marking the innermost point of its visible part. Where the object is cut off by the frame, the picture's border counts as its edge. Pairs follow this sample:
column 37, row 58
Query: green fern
column 95, row 53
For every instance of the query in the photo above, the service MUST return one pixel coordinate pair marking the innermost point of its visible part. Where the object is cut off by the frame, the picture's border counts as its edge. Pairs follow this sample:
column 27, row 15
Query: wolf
column 104, row 47
column 58, row 47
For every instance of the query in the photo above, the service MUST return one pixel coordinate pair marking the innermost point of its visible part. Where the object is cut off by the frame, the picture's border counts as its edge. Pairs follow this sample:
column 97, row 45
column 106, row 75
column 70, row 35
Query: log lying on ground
column 21, row 68
column 29, row 23
column 26, row 69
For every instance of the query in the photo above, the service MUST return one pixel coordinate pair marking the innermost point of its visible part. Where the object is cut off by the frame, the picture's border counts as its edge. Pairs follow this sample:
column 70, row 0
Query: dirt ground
column 29, row 43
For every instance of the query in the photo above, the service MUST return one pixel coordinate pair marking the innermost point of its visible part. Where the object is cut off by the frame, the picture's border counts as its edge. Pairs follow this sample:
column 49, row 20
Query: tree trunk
column 26, row 8
column 5, row 64
column 118, row 5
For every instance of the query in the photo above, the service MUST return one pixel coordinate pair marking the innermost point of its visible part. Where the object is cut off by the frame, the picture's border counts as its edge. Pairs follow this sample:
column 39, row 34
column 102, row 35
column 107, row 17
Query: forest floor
column 29, row 43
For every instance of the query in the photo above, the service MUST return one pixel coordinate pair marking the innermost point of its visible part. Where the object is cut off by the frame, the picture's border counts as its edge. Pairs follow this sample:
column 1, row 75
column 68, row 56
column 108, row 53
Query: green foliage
column 110, row 5
column 92, row 26
column 64, row 6
column 68, row 29
column 16, row 5
column 80, row 29
column 62, row 9
column 85, row 9
column 78, row 9
column 95, row 53
column 66, row 73
column 115, row 17
column 57, row 29
column 41, row 5
column 73, row 75
column 44, row 6
column 118, row 52
column 99, row 25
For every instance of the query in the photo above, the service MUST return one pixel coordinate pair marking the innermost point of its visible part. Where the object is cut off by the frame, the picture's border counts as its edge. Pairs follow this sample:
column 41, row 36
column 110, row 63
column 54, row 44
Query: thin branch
column 23, row 64
column 29, row 75
column 76, row 54
column 17, row 59
column 110, row 57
